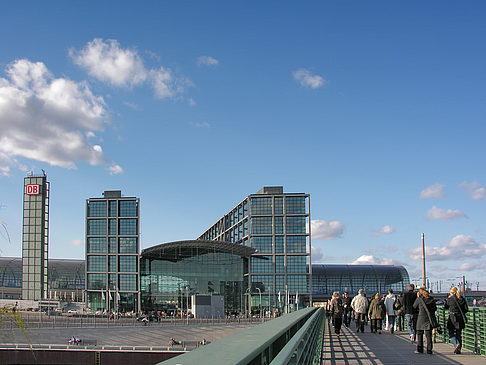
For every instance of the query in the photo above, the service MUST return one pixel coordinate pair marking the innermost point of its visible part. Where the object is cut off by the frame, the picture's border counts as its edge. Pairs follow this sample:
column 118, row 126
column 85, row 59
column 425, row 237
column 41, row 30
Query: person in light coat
column 360, row 307
column 391, row 314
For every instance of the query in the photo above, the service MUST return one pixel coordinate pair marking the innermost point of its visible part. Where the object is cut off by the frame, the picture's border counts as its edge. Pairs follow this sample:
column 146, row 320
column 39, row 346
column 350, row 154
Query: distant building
column 277, row 224
column 35, row 237
column 112, row 252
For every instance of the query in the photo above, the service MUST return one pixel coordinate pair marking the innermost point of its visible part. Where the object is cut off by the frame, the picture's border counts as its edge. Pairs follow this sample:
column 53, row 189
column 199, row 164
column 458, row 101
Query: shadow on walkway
column 383, row 349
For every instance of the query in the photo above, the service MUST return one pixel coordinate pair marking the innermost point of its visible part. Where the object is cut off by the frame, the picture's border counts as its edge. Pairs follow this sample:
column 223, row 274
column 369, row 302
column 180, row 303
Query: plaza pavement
column 368, row 348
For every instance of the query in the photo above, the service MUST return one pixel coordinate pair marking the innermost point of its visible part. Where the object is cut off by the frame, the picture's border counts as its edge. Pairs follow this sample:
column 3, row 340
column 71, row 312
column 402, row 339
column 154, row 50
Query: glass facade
column 173, row 272
column 112, row 253
column 35, row 238
column 371, row 278
column 277, row 225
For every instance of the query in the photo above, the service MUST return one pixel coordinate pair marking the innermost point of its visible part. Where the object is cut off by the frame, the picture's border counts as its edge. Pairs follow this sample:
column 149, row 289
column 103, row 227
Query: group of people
column 416, row 308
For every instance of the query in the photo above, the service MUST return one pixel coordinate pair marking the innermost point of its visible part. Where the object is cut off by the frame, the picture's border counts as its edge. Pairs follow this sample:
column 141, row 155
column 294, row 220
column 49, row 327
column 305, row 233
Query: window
column 128, row 245
column 96, row 281
column 296, row 244
column 261, row 225
column 112, row 281
column 128, row 282
column 279, row 225
column 128, row 263
column 112, row 227
column 112, row 263
column 296, row 224
column 297, row 283
column 261, row 206
column 295, row 205
column 296, row 264
column 97, row 209
column 259, row 265
column 128, row 226
column 96, row 245
column 279, row 244
column 97, row 227
column 262, row 244
column 112, row 208
column 278, row 205
column 128, row 208
column 279, row 264
column 112, row 244
column 96, row 263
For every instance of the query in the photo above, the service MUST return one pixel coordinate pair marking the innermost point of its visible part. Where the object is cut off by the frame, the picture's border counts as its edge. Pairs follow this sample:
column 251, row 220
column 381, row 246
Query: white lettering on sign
column 32, row 189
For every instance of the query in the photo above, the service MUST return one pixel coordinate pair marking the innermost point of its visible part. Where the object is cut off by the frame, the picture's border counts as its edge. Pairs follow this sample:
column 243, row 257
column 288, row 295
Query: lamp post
column 259, row 291
column 247, row 292
column 187, row 305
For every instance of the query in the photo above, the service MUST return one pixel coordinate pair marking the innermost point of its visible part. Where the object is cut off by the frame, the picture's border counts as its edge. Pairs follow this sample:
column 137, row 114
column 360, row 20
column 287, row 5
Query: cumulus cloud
column 434, row 191
column 308, row 79
column 326, row 230
column 108, row 62
column 435, row 213
column 476, row 190
column 207, row 61
column 387, row 230
column 459, row 247
column 115, row 169
column 372, row 260
column 47, row 119
column 317, row 254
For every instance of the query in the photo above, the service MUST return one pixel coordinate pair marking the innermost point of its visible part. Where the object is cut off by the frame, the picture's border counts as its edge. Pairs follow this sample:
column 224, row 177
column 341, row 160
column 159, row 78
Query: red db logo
column 32, row 189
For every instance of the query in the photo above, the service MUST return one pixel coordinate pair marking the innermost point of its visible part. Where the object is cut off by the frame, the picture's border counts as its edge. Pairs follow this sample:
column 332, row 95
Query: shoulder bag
column 432, row 318
column 460, row 309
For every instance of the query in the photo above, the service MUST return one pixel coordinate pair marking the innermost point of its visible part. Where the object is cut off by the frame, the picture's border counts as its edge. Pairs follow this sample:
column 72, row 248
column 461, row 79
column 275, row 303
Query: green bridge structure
column 306, row 337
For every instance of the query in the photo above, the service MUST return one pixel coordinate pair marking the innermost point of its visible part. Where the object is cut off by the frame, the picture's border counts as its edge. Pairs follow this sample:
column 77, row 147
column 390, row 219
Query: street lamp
column 257, row 288
column 247, row 292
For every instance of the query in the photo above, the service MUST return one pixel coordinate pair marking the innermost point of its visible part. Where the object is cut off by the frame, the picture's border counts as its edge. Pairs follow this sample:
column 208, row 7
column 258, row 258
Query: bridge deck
column 376, row 349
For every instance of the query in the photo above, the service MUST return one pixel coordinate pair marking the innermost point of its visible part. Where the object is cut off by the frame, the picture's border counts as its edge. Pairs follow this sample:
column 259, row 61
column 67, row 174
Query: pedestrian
column 390, row 300
column 347, row 309
column 360, row 307
column 456, row 321
column 376, row 313
column 426, row 306
column 337, row 312
column 400, row 314
column 410, row 312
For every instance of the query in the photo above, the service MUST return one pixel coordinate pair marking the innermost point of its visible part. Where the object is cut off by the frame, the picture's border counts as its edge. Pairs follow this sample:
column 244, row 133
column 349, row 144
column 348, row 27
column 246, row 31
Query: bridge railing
column 295, row 338
column 474, row 335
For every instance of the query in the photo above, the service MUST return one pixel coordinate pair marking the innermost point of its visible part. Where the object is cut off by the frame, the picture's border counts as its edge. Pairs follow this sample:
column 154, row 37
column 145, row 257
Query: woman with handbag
column 425, row 320
column 456, row 321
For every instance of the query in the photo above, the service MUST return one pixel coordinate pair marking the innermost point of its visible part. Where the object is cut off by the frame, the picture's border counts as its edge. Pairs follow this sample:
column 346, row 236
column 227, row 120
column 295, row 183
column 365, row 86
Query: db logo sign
column 32, row 189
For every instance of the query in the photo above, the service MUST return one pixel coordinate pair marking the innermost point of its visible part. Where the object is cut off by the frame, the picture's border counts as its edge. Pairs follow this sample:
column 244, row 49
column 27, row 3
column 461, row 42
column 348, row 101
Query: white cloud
column 372, row 260
column 387, row 230
column 192, row 102
column 476, row 190
column 108, row 62
column 459, row 247
column 115, row 169
column 207, row 61
column 434, row 191
column 317, row 254
column 435, row 213
column 326, row 230
column 201, row 125
column 77, row 243
column 47, row 119
column 307, row 79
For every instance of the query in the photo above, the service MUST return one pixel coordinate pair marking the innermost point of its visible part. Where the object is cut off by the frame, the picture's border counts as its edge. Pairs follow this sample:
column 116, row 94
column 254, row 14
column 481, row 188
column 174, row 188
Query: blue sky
column 376, row 109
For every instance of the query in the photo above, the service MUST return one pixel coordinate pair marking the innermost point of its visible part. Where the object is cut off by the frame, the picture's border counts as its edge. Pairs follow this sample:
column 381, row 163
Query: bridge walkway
column 351, row 348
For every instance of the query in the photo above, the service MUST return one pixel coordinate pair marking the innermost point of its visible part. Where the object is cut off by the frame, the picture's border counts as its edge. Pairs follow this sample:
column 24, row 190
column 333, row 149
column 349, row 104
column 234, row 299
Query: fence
column 474, row 335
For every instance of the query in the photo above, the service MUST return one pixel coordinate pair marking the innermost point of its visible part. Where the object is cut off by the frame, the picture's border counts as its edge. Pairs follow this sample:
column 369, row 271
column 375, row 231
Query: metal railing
column 294, row 338
column 474, row 335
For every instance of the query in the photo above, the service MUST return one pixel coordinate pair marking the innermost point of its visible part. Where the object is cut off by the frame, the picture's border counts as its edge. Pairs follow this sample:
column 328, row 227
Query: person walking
column 456, row 321
column 410, row 312
column 376, row 313
column 347, row 309
column 360, row 307
column 426, row 306
column 400, row 315
column 337, row 311
column 390, row 300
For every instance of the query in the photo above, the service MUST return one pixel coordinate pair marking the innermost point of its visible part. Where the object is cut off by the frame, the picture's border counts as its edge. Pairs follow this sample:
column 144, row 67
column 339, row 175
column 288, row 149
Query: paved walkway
column 382, row 349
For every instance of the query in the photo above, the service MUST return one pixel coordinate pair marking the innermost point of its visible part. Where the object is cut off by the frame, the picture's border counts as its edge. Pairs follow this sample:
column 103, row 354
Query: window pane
column 97, row 209
column 128, row 226
column 96, row 245
column 128, row 263
column 261, row 206
column 262, row 244
column 261, row 225
column 97, row 227
column 296, row 224
column 128, row 208
column 128, row 245
column 295, row 205
column 97, row 263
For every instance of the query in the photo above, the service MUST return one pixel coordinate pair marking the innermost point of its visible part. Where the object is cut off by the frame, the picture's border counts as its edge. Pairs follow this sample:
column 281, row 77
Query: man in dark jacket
column 347, row 308
column 410, row 312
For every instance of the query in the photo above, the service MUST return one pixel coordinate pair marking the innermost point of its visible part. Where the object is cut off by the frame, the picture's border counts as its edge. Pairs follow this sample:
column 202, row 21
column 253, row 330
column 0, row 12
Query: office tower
column 112, row 252
column 277, row 224
column 35, row 237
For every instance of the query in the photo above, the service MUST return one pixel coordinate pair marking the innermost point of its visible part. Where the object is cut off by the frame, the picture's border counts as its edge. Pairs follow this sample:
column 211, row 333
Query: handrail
column 296, row 348
column 473, row 336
